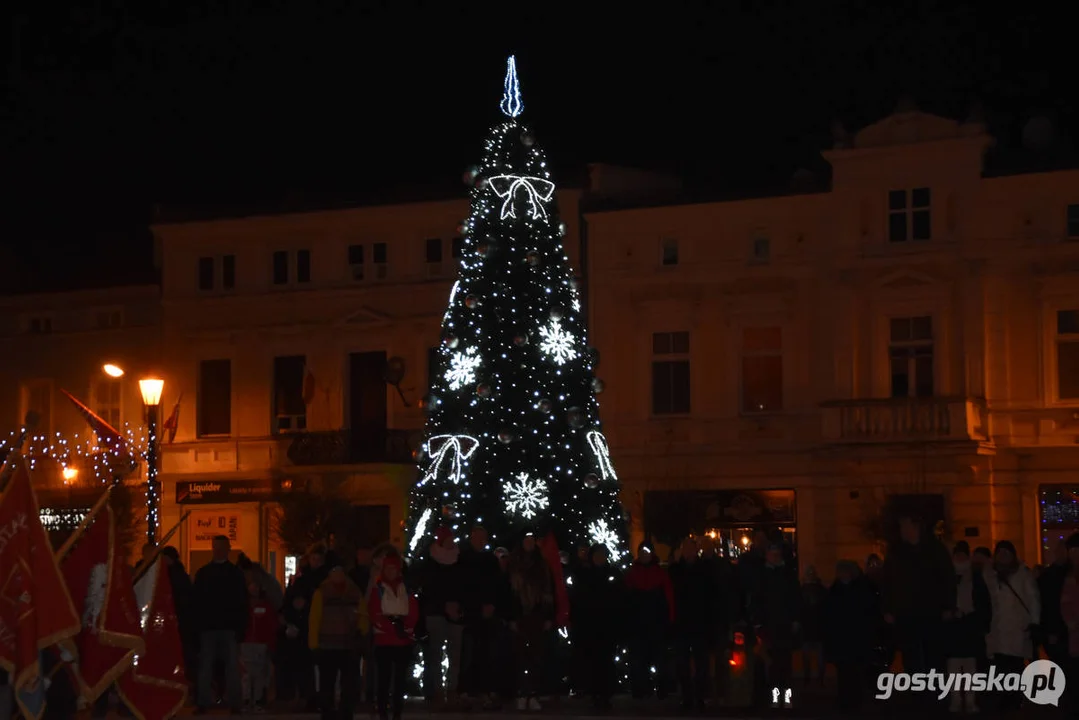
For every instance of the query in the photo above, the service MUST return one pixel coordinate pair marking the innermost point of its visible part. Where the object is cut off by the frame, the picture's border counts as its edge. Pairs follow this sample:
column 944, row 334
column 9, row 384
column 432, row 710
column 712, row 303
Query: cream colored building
column 279, row 330
column 908, row 339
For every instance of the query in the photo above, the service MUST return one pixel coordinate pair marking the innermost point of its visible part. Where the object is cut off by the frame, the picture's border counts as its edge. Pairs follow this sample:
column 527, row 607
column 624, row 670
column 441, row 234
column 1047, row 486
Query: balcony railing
column 904, row 420
column 345, row 447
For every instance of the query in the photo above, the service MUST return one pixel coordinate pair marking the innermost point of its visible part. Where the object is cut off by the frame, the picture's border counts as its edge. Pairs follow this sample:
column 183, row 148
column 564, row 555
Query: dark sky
column 111, row 109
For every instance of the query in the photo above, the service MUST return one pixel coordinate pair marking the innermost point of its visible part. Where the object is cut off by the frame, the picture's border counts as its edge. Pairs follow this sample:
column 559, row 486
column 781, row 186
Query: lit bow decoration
column 598, row 443
column 537, row 191
column 455, row 448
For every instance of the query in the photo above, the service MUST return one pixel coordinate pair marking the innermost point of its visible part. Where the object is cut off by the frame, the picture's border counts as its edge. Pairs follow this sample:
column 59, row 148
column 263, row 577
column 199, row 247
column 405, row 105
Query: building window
column 434, row 250
column 669, row 252
column 290, row 408
column 457, row 248
column 280, row 267
column 910, row 353
column 379, row 259
column 762, row 250
column 762, row 369
column 214, row 397
column 303, row 266
column 1068, row 354
column 206, row 273
column 1073, row 222
column 106, row 319
column 228, row 272
column 909, row 215
column 38, row 325
column 355, row 261
column 670, row 373
column 37, row 398
column 107, row 398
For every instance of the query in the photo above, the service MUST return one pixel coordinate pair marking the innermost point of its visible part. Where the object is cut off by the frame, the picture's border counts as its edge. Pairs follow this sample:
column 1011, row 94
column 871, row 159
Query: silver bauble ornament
column 527, row 139
column 472, row 301
column 506, row 437
column 591, row 481
column 520, row 340
column 597, row 385
column 484, row 390
column 545, row 405
column 575, row 417
column 452, row 341
column 532, row 258
column 557, row 313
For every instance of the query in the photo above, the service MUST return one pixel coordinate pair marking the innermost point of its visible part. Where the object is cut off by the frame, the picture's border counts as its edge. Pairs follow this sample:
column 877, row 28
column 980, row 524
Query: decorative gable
column 908, row 128
column 365, row 316
column 905, row 280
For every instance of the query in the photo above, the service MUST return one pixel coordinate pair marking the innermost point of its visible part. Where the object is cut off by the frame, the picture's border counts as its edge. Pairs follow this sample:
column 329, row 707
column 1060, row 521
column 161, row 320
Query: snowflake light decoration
column 557, row 343
column 576, row 305
column 526, row 497
column 462, row 370
column 603, row 535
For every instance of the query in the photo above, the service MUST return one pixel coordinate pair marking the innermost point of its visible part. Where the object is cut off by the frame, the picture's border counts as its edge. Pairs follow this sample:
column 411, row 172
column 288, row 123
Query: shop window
column 1059, row 510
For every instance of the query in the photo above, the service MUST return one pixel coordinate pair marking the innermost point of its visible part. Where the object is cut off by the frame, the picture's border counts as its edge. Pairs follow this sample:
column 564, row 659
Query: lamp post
column 151, row 399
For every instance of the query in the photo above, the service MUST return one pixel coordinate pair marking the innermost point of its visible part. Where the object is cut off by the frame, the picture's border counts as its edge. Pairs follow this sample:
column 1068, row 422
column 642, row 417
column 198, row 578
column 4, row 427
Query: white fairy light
column 511, row 94
column 557, row 343
column 537, row 191
column 603, row 535
column 462, row 370
column 598, row 443
column 420, row 531
column 526, row 497
column 455, row 448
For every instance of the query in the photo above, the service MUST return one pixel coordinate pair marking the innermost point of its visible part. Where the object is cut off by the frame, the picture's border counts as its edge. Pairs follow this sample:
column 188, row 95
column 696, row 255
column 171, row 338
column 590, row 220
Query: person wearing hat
column 440, row 586
column 394, row 614
column 651, row 614
column 775, row 607
column 965, row 629
column 337, row 621
column 1016, row 615
column 1069, row 611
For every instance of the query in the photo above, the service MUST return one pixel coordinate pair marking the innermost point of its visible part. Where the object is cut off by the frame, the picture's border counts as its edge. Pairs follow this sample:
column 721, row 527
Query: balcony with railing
column 904, row 420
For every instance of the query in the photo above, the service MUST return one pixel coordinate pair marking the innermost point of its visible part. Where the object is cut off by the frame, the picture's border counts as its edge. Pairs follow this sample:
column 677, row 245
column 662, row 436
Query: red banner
column 549, row 548
column 155, row 686
column 36, row 611
column 99, row 581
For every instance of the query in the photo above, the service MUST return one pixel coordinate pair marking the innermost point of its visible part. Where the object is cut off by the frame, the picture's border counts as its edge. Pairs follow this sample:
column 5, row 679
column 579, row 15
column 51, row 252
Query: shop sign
column 205, row 526
column 208, row 492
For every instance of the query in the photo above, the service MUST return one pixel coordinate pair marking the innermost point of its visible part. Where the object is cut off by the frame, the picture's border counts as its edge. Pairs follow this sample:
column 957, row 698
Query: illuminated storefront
column 1058, row 511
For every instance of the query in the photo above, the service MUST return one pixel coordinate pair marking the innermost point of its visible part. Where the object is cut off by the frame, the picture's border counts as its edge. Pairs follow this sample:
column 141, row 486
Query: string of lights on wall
column 77, row 453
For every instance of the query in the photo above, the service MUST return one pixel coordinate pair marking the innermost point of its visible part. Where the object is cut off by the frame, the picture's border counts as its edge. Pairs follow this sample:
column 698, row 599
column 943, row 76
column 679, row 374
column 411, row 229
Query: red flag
column 100, row 585
column 154, row 688
column 36, row 611
column 172, row 422
column 108, row 437
column 549, row 549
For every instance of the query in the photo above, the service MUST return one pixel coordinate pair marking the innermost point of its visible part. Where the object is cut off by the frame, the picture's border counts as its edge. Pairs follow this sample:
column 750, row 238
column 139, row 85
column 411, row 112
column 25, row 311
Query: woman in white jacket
column 1016, row 607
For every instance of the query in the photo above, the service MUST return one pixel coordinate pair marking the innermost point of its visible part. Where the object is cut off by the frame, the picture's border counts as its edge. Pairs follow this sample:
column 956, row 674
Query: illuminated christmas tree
column 513, row 438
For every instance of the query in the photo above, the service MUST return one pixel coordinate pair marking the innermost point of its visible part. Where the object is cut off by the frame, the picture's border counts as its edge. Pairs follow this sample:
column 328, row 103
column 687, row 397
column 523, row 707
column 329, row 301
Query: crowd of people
column 484, row 624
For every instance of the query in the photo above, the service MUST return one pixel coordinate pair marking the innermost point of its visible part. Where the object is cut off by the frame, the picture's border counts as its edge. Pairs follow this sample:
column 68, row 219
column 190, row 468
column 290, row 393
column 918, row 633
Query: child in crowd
column 394, row 612
column 257, row 647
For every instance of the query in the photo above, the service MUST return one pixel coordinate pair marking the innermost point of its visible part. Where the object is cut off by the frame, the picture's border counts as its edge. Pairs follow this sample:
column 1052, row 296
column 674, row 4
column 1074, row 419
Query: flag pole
column 70, row 542
column 144, row 565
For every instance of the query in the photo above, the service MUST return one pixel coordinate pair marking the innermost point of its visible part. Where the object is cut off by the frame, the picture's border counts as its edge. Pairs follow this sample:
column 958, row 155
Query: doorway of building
column 367, row 406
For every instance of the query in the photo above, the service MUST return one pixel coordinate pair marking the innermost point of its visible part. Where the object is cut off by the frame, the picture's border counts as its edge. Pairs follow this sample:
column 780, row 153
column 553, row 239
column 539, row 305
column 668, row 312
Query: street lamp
column 113, row 371
column 151, row 398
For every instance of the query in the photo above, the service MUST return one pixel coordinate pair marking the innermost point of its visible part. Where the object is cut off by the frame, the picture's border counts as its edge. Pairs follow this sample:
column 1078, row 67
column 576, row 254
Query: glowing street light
column 113, row 371
column 151, row 388
column 69, row 474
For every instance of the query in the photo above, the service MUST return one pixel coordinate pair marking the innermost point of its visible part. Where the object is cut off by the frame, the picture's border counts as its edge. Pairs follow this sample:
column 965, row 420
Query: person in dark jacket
column 597, row 621
column 1050, row 588
column 775, row 609
column 966, row 626
column 182, row 597
column 918, row 591
column 531, row 618
column 694, row 628
column 486, row 593
column 360, row 575
column 651, row 606
column 268, row 584
column 813, row 597
column 440, row 584
column 295, row 677
column 850, row 621
column 221, row 606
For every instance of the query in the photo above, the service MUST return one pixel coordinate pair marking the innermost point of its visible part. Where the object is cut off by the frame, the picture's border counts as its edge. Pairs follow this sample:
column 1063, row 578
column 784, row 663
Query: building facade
column 817, row 364
column 57, row 342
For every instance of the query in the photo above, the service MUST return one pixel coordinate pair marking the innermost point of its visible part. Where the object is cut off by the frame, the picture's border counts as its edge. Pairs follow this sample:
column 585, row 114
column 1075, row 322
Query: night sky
column 212, row 104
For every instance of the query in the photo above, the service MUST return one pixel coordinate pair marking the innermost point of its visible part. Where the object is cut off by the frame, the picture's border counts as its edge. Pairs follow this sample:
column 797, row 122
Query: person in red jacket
column 394, row 612
column 258, row 646
column 651, row 600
